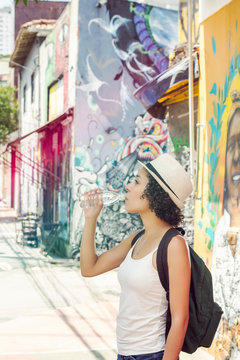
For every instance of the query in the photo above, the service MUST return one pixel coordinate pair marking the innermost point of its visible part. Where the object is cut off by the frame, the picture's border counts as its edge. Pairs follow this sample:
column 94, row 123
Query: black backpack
column 204, row 313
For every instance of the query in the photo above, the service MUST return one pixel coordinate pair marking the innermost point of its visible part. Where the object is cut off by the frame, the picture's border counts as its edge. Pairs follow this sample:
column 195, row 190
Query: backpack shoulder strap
column 137, row 236
column 162, row 265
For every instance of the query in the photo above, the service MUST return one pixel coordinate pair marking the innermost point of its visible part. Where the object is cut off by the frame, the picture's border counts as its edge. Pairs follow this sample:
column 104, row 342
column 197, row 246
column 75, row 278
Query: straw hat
column 171, row 176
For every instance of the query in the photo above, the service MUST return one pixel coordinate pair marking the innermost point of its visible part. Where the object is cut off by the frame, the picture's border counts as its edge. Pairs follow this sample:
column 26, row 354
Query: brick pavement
column 86, row 330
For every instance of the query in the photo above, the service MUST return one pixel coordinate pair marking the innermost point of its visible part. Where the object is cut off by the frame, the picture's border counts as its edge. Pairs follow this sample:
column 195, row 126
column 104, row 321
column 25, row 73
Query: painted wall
column 121, row 46
column 73, row 53
column 206, row 8
column 54, row 53
column 47, row 70
column 6, row 178
column 55, row 140
column 29, row 121
column 29, row 117
column 217, row 225
column 29, row 175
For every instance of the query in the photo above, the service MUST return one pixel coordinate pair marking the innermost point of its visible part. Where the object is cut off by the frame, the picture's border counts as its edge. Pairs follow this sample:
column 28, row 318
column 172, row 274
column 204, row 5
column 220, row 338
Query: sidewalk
column 7, row 214
column 87, row 331
column 84, row 331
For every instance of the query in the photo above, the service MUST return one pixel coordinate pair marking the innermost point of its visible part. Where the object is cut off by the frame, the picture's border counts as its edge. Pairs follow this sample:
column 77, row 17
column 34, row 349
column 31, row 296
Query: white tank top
column 143, row 306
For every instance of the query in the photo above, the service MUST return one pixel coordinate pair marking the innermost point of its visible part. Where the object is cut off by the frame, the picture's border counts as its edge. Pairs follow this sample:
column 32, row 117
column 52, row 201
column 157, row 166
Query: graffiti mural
column 122, row 44
column 54, row 57
column 149, row 140
column 218, row 207
column 226, row 248
column 143, row 38
column 55, row 141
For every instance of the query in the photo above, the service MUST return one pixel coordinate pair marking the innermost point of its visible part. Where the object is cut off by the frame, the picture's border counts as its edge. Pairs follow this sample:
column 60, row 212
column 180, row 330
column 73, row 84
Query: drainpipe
column 19, row 135
column 190, row 94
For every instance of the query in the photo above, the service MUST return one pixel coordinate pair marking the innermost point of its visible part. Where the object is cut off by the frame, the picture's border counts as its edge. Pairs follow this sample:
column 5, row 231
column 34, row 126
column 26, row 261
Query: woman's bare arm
column 90, row 263
column 179, row 285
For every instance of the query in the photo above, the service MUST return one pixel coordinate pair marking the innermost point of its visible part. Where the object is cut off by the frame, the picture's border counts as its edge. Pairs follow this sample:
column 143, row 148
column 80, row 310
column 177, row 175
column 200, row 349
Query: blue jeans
column 152, row 356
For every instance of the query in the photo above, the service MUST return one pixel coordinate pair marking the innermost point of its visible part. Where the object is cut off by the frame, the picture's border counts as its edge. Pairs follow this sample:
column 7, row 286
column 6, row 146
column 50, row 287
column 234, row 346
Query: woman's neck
column 154, row 226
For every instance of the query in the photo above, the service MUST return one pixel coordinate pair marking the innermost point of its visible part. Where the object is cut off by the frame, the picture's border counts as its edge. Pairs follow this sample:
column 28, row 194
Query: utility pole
column 190, row 95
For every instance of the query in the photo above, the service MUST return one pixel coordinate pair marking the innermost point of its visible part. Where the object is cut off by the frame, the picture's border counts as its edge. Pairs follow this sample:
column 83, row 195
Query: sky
column 4, row 3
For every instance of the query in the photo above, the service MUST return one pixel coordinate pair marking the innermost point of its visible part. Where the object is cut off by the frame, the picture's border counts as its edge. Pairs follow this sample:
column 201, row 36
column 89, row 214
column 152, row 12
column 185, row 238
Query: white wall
column 29, row 174
column 29, row 119
column 43, row 61
column 73, row 53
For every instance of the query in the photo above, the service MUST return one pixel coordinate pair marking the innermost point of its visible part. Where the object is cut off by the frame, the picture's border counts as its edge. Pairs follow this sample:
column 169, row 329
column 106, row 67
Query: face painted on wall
column 233, row 158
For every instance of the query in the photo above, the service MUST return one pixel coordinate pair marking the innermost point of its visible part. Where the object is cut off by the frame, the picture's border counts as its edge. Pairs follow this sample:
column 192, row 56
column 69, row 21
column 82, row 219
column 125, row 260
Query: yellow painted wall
column 216, row 220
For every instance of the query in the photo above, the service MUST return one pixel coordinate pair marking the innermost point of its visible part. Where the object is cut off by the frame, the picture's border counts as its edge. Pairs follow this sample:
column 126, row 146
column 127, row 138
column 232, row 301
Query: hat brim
column 174, row 198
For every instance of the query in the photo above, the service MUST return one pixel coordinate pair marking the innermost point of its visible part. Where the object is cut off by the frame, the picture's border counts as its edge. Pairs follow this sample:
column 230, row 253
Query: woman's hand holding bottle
column 93, row 203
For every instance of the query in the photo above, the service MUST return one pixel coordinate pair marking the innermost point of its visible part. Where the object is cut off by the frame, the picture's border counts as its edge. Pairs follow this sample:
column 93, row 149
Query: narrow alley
column 48, row 311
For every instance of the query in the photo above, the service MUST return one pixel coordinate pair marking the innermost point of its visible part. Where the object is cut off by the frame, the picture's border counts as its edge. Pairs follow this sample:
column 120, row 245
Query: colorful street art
column 122, row 45
column 55, row 57
column 55, row 139
column 150, row 140
column 217, row 215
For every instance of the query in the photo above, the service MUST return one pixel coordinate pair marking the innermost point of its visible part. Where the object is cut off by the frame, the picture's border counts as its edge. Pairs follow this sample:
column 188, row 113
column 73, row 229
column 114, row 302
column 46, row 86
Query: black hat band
column 151, row 168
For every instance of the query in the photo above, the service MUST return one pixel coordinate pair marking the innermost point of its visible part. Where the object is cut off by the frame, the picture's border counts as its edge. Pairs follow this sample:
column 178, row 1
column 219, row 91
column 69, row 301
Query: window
column 32, row 87
column 24, row 97
column 63, row 33
column 56, row 99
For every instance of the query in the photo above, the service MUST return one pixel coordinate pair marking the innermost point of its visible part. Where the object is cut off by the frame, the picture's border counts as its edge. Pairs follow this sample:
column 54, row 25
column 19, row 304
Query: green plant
column 8, row 112
column 24, row 1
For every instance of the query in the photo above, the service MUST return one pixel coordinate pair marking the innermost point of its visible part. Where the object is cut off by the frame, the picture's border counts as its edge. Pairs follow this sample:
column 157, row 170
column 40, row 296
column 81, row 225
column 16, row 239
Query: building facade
column 25, row 149
column 43, row 148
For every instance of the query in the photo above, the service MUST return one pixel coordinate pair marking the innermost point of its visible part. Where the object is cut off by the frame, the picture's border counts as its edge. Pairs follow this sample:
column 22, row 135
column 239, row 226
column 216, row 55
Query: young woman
column 157, row 194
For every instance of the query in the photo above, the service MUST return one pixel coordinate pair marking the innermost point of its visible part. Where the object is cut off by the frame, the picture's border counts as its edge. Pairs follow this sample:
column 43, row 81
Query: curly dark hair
column 161, row 203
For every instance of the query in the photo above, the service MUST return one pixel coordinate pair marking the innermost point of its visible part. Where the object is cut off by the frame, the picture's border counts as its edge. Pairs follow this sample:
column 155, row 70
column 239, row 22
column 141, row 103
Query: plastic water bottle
column 108, row 198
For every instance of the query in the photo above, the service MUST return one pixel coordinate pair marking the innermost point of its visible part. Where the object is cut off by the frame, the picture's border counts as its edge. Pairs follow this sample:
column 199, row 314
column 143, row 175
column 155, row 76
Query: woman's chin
column 130, row 210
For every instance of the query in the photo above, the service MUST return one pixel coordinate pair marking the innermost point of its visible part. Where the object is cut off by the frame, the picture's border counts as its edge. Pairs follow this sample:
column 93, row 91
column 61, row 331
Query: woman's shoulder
column 178, row 246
